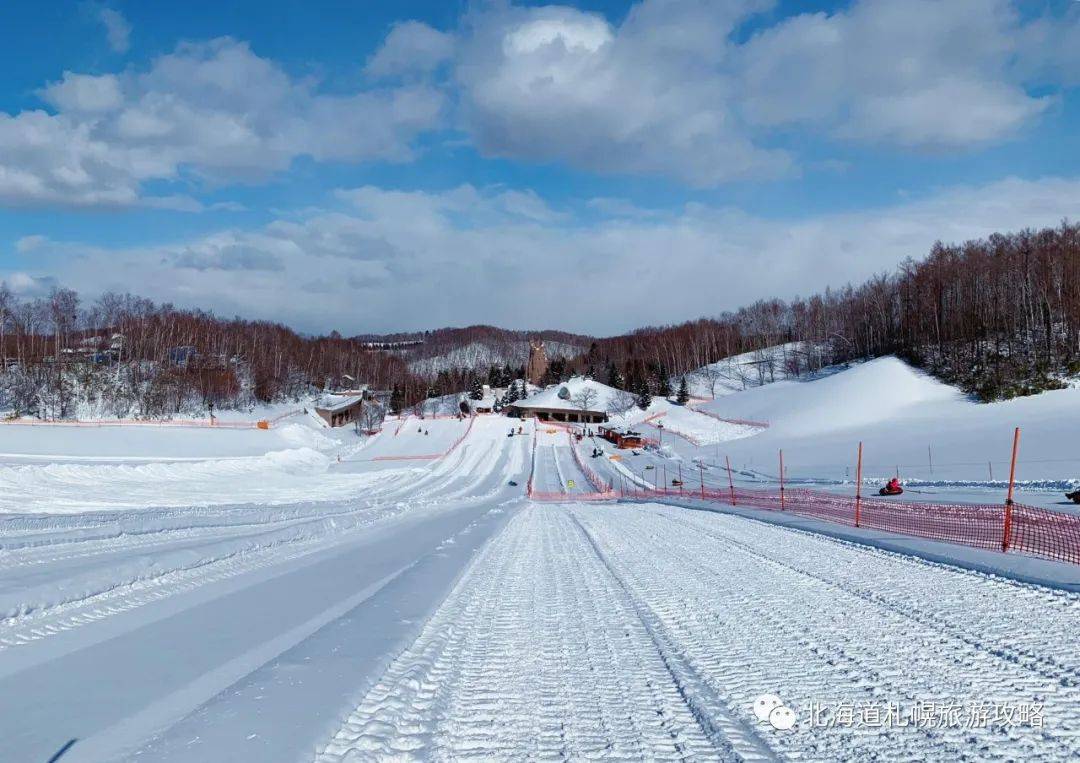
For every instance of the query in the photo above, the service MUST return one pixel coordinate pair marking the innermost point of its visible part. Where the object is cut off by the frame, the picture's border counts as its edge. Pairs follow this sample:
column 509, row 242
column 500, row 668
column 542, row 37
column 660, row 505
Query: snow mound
column 562, row 396
column 866, row 394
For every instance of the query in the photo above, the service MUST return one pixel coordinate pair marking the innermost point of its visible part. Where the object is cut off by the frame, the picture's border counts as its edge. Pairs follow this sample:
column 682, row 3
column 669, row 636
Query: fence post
column 1007, row 530
column 701, row 471
column 680, row 479
column 858, row 487
column 781, row 479
column 731, row 482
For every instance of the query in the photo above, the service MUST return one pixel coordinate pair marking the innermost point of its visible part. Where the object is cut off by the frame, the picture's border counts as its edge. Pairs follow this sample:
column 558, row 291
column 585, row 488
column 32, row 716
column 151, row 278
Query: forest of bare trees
column 123, row 355
column 998, row 317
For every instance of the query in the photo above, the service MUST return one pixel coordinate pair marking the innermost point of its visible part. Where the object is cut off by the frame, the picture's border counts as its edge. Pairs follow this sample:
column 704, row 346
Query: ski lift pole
column 858, row 487
column 781, row 479
column 731, row 482
column 1007, row 530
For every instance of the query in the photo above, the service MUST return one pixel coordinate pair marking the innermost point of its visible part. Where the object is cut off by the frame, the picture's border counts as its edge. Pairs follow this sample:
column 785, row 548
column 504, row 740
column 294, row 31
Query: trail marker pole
column 680, row 478
column 701, row 470
column 664, row 467
column 781, row 479
column 1007, row 530
column 731, row 482
column 858, row 488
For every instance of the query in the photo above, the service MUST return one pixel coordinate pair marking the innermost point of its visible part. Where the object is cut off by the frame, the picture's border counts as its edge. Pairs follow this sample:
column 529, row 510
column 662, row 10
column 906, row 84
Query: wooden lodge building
column 340, row 410
column 623, row 438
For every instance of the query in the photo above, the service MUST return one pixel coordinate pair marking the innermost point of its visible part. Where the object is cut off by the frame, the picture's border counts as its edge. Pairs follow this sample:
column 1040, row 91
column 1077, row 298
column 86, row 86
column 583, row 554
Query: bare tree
column 371, row 417
column 621, row 403
column 585, row 399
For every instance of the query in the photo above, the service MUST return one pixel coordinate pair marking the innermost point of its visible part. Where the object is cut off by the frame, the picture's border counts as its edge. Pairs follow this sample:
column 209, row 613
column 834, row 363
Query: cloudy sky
column 371, row 166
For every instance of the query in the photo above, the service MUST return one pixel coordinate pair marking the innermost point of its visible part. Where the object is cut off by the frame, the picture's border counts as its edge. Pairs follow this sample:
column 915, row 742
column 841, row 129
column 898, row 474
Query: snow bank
column 908, row 422
column 864, row 395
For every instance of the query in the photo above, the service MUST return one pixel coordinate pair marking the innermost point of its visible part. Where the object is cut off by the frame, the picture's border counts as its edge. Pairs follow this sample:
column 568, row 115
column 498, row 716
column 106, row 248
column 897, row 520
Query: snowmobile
column 893, row 488
column 1074, row 496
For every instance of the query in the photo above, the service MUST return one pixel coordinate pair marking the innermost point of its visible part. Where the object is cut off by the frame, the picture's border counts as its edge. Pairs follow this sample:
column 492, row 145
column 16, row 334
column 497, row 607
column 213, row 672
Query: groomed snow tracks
column 648, row 631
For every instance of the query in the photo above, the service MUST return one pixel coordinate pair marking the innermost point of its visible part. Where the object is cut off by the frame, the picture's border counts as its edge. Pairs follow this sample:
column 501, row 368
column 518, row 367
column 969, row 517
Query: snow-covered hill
column 908, row 422
column 755, row 369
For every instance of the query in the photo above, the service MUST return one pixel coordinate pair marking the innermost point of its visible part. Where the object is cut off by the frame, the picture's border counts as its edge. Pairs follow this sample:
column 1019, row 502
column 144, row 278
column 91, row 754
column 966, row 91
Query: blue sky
column 372, row 166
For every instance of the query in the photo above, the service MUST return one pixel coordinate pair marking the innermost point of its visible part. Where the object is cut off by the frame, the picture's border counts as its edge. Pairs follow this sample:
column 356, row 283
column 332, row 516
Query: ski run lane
column 114, row 627
column 647, row 632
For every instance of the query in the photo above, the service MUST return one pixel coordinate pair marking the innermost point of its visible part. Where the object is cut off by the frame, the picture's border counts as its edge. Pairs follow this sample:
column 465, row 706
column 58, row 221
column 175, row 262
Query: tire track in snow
column 536, row 653
column 1004, row 631
column 751, row 626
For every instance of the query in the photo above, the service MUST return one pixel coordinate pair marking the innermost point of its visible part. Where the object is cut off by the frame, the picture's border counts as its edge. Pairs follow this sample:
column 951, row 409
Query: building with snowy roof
column 339, row 410
column 578, row 400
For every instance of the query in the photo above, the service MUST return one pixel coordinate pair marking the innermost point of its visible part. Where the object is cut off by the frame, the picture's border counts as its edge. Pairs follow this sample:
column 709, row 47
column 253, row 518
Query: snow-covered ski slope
column 565, row 640
column 400, row 597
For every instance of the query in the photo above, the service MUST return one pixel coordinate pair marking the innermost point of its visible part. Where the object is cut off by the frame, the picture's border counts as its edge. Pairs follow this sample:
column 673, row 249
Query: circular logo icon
column 782, row 718
column 765, row 704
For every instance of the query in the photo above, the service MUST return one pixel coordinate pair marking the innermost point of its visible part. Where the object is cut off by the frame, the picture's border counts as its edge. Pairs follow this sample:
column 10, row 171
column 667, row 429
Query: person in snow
column 892, row 487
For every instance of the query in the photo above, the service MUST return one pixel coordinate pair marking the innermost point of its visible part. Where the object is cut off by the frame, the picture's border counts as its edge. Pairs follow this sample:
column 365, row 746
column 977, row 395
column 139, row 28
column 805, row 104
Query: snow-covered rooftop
column 335, row 403
column 568, row 396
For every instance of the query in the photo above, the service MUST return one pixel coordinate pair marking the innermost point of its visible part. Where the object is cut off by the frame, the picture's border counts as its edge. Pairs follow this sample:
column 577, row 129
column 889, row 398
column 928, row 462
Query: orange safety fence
column 1032, row 530
column 670, row 430
column 431, row 456
column 594, row 479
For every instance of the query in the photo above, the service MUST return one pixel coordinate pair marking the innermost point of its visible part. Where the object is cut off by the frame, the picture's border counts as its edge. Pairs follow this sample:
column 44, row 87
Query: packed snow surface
column 305, row 592
column 564, row 640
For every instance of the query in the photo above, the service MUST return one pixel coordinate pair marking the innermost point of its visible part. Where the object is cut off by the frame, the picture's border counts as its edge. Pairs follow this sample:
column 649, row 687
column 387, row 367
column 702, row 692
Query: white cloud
column 84, row 93
column 214, row 110
column 412, row 47
column 395, row 260
column 554, row 83
column 674, row 91
column 918, row 73
column 117, row 29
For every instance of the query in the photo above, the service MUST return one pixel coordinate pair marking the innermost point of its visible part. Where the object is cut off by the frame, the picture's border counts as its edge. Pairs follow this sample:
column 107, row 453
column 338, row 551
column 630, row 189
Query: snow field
column 907, row 421
column 564, row 640
column 58, row 573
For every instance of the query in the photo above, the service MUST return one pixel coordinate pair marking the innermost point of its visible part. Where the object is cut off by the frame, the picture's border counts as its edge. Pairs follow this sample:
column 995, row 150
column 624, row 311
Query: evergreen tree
column 495, row 376
column 644, row 398
column 397, row 400
column 507, row 376
column 614, row 377
column 663, row 381
column 512, row 393
column 684, row 392
column 476, row 388
column 556, row 371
